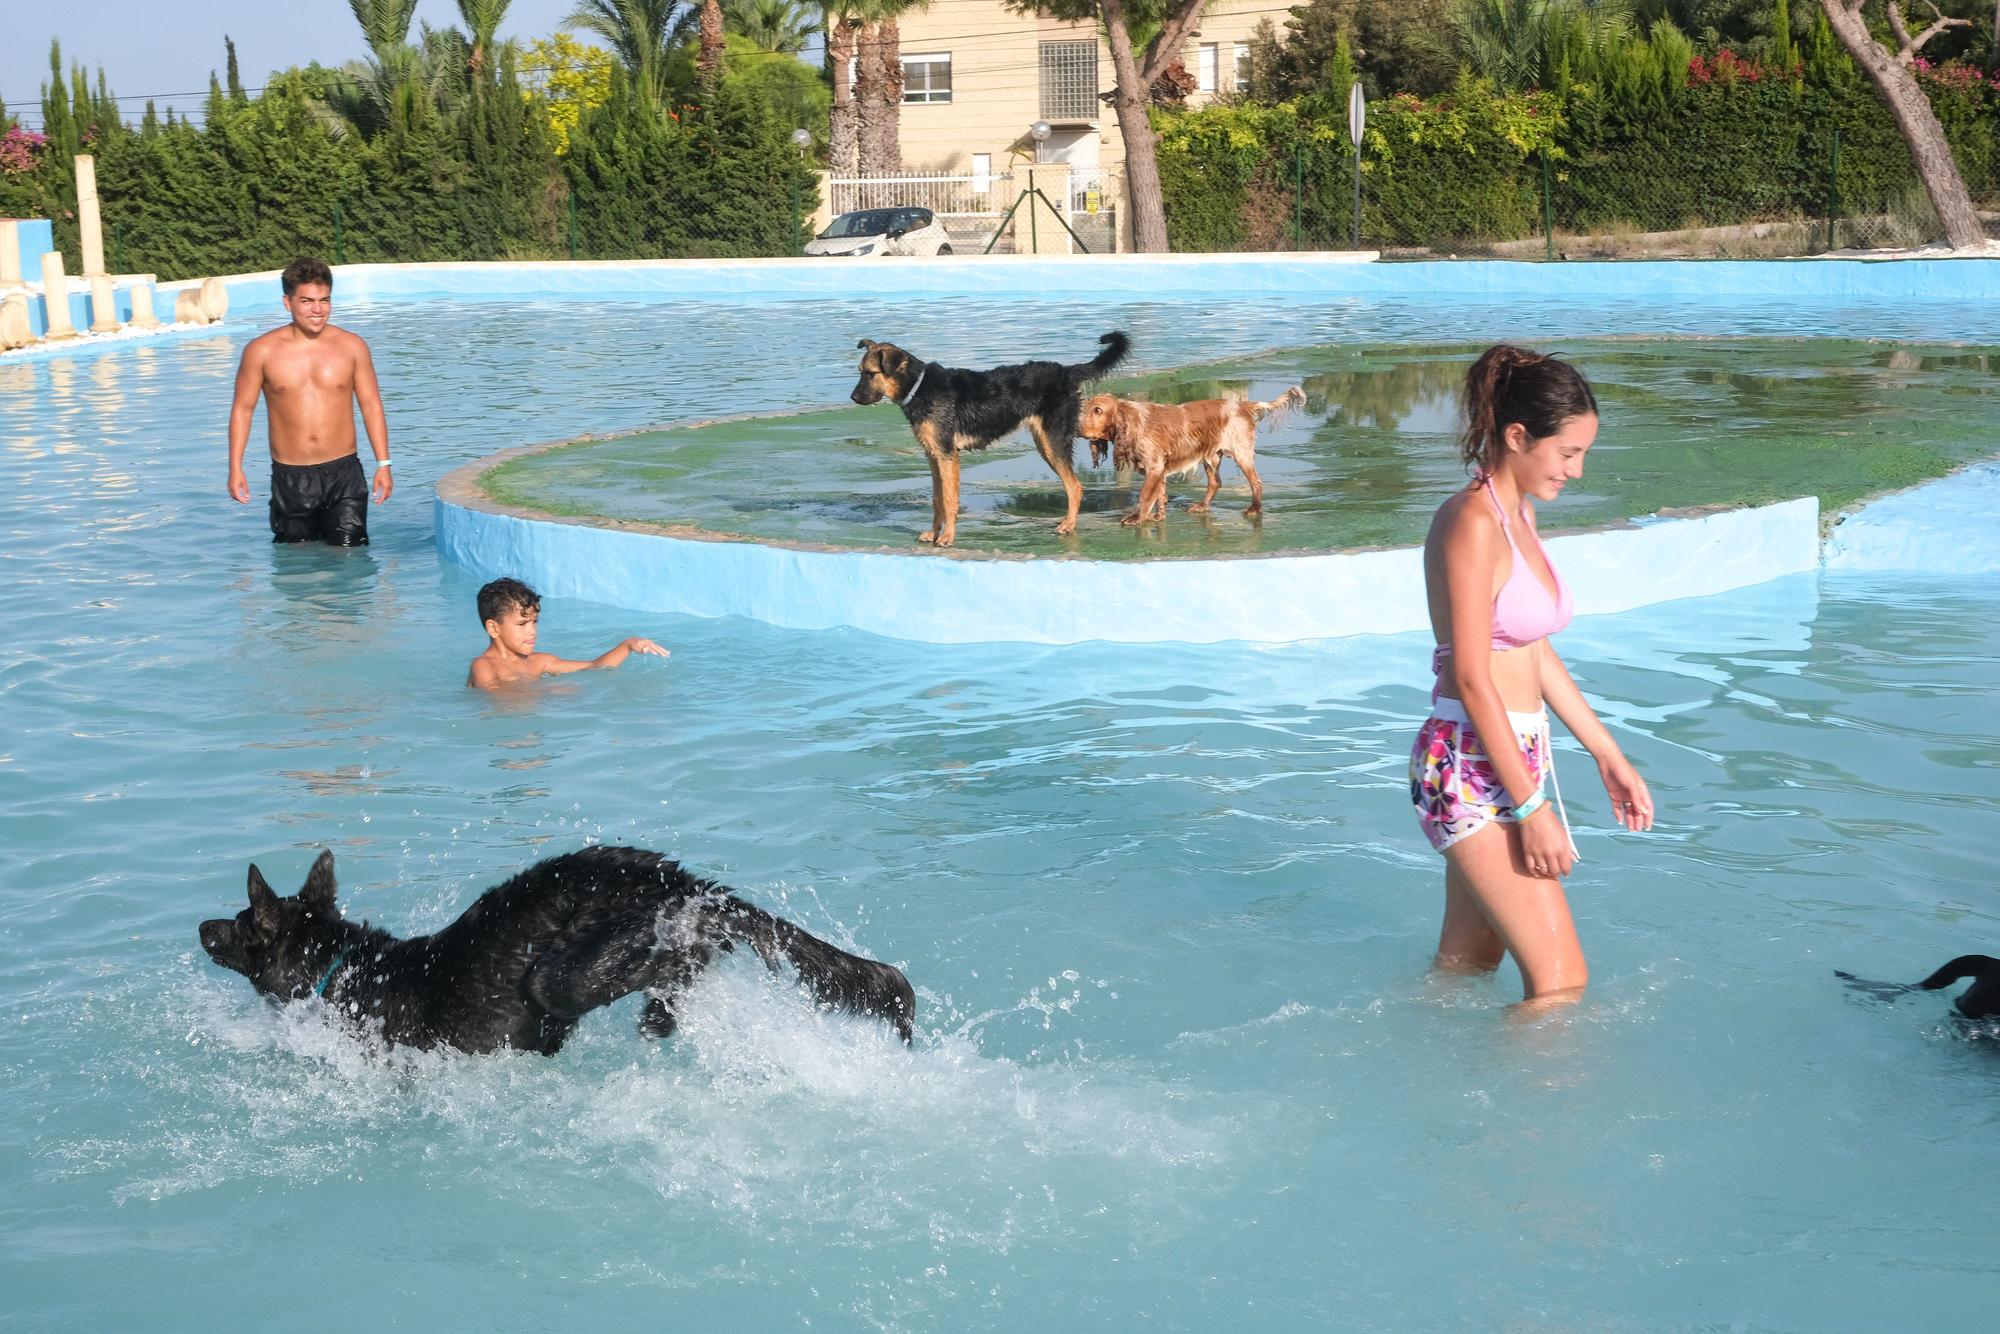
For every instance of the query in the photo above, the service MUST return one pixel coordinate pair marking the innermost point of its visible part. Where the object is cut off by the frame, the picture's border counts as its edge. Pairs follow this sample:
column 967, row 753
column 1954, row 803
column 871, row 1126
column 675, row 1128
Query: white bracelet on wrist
column 380, row 464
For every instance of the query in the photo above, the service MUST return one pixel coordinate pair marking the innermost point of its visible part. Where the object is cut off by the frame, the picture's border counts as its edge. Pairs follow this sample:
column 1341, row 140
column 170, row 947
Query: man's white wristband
column 380, row 464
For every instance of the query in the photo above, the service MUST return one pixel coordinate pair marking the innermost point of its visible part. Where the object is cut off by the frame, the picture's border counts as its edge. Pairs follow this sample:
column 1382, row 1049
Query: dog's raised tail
column 1964, row 966
column 836, row 977
column 1116, row 344
column 1295, row 397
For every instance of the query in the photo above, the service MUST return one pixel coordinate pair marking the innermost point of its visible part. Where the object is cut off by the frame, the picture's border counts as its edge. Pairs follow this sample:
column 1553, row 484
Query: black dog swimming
column 952, row 410
column 531, row 957
column 1980, row 1001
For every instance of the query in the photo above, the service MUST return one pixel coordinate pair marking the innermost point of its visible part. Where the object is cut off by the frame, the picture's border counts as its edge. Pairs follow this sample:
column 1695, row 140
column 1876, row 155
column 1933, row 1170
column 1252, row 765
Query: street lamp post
column 802, row 140
column 1039, row 132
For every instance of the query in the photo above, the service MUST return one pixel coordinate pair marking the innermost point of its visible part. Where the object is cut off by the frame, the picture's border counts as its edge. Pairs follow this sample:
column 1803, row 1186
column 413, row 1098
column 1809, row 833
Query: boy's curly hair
column 505, row 595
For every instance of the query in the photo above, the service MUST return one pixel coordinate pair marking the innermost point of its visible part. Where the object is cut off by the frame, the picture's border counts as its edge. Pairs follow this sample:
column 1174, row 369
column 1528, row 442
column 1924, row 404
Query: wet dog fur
column 532, row 956
column 1167, row 440
column 952, row 410
column 1981, row 1000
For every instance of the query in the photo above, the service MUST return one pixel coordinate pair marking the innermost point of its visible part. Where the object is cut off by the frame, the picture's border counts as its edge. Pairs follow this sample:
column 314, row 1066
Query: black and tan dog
column 531, row 957
column 953, row 410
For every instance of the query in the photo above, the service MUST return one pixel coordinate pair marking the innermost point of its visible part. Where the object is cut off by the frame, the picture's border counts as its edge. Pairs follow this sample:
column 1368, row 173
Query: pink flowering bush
column 20, row 149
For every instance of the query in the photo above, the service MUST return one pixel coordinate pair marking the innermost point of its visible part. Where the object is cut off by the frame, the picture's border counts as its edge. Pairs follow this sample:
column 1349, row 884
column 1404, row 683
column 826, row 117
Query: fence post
column 1034, row 237
column 1357, row 195
column 572, row 224
column 1298, row 196
column 339, row 243
column 1548, row 209
column 1833, row 189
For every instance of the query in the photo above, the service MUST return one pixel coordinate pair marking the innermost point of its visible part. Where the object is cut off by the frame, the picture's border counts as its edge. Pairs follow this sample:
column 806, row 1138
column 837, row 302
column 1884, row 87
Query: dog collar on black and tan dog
column 331, row 969
column 912, row 391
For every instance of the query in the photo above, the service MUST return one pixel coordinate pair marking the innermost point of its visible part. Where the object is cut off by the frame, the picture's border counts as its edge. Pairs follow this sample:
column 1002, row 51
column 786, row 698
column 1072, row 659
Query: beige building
column 976, row 75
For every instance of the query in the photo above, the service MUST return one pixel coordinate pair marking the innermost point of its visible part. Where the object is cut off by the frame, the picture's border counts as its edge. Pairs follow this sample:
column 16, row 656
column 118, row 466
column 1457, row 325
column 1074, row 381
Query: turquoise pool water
column 1166, row 910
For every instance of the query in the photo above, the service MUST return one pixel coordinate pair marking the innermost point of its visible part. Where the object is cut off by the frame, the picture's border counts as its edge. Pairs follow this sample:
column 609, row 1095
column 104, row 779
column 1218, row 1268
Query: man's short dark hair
column 505, row 595
column 305, row 269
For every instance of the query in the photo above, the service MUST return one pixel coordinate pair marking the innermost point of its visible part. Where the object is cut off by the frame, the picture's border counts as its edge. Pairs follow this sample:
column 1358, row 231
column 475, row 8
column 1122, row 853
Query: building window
column 1204, row 75
column 1242, row 67
column 927, row 78
column 1069, row 80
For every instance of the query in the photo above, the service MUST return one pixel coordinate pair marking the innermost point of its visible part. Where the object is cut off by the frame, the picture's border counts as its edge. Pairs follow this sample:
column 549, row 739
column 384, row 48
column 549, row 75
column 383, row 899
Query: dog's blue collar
column 918, row 385
column 331, row 969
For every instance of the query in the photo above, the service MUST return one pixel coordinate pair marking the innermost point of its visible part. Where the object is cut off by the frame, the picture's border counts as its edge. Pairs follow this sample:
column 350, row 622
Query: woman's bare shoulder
column 1458, row 520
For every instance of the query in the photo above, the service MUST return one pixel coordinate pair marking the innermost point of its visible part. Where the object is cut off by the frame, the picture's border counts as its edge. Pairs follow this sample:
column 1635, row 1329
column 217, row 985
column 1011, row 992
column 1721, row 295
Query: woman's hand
column 1545, row 845
column 1631, row 803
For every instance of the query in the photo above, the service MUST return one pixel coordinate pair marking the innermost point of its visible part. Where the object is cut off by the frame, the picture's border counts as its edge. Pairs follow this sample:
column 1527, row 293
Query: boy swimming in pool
column 511, row 611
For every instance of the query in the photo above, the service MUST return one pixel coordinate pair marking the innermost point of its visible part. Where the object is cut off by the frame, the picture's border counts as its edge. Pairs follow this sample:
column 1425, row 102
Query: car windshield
column 867, row 222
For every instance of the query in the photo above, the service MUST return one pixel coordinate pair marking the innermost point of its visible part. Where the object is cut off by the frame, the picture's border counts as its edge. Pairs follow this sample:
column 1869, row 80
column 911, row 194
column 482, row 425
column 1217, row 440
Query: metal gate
column 968, row 207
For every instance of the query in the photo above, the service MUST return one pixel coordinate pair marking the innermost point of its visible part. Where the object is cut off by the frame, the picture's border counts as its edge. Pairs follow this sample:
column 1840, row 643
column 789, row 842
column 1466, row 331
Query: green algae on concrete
column 1687, row 423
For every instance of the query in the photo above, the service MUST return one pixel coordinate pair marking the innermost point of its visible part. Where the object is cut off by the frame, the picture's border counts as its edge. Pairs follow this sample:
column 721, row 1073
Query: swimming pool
column 1166, row 910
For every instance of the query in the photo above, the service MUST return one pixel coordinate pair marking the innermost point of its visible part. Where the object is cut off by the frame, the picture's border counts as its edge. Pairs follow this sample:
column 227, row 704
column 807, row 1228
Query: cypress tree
column 236, row 79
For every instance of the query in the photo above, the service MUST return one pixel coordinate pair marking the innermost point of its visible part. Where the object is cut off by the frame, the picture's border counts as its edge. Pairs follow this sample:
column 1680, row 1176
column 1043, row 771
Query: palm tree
column 396, row 81
column 639, row 33
column 843, row 31
column 482, row 25
column 708, row 62
column 1518, row 43
column 385, row 24
column 878, row 91
column 778, row 26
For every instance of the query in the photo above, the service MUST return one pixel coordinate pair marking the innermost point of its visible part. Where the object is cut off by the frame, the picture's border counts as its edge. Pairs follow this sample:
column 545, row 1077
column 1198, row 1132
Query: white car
column 882, row 231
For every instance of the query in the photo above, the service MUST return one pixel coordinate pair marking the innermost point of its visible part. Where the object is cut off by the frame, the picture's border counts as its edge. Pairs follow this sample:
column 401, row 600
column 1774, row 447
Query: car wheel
column 944, row 250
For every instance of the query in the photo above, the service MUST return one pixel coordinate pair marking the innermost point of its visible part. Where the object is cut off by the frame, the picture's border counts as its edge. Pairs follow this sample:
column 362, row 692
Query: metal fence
column 969, row 207
column 975, row 209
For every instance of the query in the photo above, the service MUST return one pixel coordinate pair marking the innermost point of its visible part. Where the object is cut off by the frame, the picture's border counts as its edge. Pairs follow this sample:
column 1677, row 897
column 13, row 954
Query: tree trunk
column 878, row 98
column 840, row 35
column 1928, row 147
column 1130, row 100
column 708, row 60
column 889, row 117
column 867, row 74
column 1142, row 163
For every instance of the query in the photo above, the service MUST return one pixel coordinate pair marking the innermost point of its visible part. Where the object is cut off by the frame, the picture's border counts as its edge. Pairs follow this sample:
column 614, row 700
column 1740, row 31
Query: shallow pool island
column 1719, row 464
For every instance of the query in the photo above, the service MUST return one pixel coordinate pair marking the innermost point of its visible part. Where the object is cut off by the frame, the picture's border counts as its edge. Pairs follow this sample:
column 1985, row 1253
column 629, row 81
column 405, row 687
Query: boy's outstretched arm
column 630, row 646
column 555, row 666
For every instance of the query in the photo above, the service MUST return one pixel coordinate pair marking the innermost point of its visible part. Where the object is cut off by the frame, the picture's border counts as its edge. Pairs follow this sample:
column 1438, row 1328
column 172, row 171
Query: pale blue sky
column 166, row 48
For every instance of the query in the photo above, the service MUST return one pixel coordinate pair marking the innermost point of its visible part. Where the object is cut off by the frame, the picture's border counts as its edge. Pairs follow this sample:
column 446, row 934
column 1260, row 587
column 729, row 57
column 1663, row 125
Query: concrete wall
column 956, row 600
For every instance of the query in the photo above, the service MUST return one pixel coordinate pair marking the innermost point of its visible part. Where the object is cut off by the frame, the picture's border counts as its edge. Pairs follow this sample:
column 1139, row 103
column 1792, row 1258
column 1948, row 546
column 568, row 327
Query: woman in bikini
column 1494, row 600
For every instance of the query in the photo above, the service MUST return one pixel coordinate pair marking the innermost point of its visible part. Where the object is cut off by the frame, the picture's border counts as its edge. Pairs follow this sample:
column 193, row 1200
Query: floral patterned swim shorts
column 1452, row 781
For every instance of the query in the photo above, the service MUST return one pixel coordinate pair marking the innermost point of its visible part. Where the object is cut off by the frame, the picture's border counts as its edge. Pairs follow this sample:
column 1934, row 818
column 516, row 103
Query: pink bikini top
column 1523, row 611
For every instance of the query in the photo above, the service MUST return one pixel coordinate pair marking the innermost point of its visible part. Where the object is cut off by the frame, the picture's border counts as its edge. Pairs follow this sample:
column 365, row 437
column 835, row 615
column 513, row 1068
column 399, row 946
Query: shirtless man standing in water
column 311, row 375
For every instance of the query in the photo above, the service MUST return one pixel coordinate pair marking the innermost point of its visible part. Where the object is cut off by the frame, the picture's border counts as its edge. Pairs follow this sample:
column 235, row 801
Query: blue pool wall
column 254, row 298
column 956, row 600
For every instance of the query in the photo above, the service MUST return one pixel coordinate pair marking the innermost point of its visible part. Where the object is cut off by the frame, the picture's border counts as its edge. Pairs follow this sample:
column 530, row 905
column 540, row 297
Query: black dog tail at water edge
column 838, row 979
column 1964, row 966
column 1116, row 344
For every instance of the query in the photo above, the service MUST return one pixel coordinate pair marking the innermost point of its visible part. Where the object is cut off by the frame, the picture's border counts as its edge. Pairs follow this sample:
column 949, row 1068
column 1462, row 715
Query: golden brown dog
column 1166, row 440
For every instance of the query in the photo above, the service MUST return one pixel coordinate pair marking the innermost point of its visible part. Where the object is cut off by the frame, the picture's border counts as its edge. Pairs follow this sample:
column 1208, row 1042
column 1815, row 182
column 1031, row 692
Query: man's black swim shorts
column 320, row 502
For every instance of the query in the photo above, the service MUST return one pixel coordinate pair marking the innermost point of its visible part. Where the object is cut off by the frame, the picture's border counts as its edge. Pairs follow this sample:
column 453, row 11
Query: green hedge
column 1727, row 147
column 264, row 180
